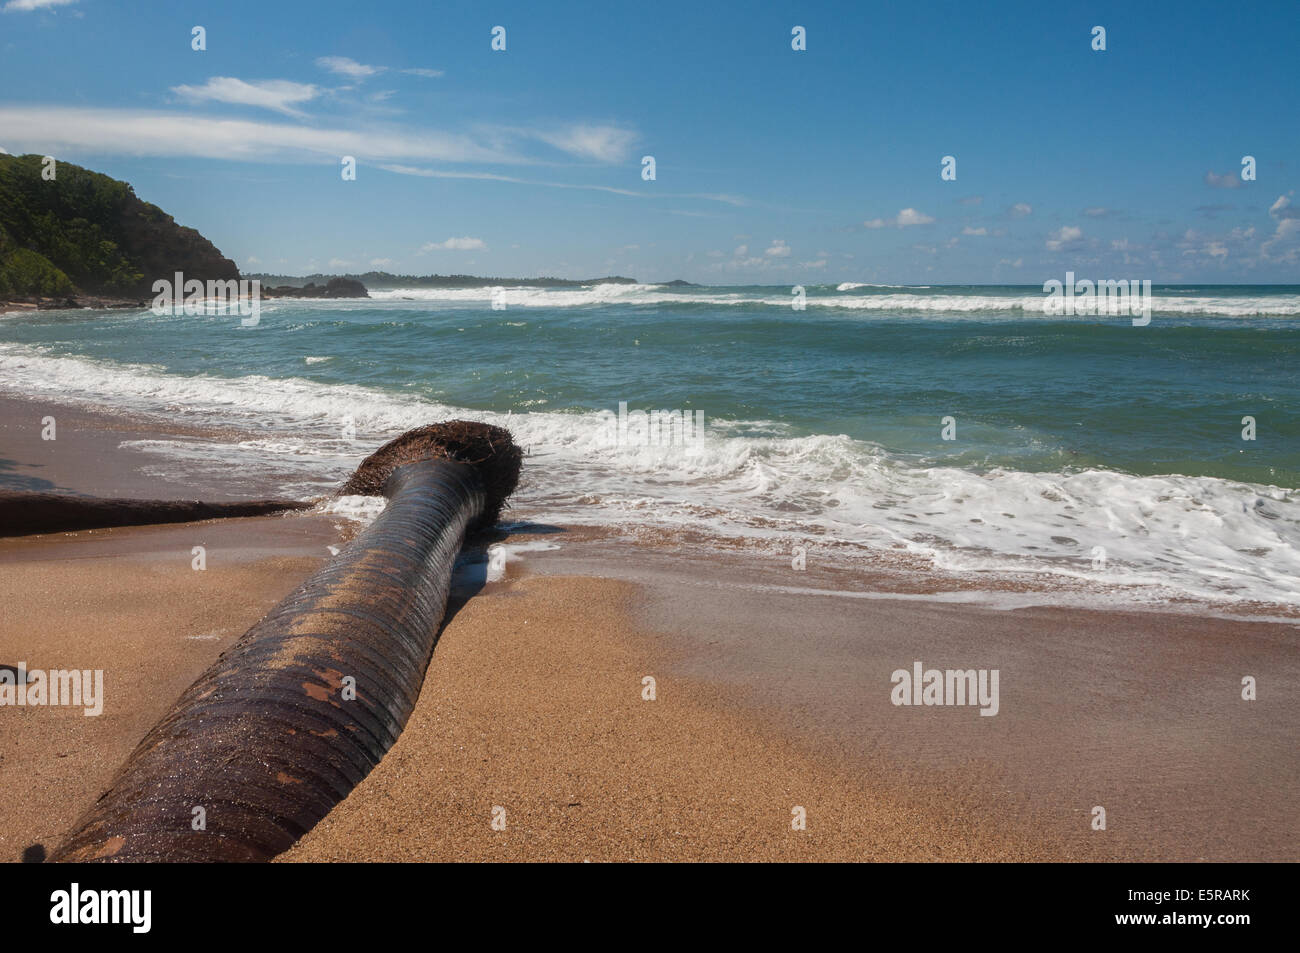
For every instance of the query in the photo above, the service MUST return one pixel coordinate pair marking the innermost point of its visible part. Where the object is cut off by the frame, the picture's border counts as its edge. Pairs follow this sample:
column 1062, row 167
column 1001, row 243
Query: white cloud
column 1098, row 212
column 55, row 130
column 905, row 217
column 455, row 244
column 1284, row 245
column 910, row 216
column 346, row 66
column 252, row 260
column 380, row 262
column 339, row 263
column 497, row 177
column 1228, row 180
column 771, row 258
column 601, row 143
column 1021, row 209
column 1014, row 264
column 819, row 263
column 974, row 231
column 725, row 197
column 1065, row 237
column 21, row 6
column 276, row 94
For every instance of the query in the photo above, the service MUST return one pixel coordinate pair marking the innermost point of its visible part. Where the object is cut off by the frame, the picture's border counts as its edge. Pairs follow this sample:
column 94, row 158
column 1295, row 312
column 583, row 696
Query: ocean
column 1081, row 447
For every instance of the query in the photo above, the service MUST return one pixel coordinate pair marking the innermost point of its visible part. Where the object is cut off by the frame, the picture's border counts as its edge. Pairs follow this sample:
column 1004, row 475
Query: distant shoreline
column 386, row 281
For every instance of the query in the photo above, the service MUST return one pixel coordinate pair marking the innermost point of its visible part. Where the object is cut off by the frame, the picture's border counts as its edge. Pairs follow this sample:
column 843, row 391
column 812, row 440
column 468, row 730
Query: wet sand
column 85, row 454
column 772, row 692
column 534, row 714
column 767, row 701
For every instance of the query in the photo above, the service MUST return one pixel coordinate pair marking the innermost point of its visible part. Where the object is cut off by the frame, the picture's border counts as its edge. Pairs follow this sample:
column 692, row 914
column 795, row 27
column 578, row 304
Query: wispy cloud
column 1282, row 208
column 1067, row 236
column 1226, row 181
column 56, row 130
column 735, row 200
column 21, row 6
column 346, row 66
column 279, row 95
column 602, row 143
column 1284, row 245
column 455, row 244
column 1020, row 210
column 905, row 217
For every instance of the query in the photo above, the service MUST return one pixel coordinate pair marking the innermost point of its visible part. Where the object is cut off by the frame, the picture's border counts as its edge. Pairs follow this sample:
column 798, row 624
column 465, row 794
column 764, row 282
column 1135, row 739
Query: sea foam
column 1200, row 536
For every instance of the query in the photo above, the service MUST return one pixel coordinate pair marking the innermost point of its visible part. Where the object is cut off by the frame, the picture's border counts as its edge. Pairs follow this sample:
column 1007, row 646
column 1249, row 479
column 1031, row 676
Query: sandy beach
column 772, row 693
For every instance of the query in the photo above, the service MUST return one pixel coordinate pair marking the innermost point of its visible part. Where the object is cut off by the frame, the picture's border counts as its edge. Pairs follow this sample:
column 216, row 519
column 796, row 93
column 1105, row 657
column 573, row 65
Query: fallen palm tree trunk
column 23, row 513
column 301, row 708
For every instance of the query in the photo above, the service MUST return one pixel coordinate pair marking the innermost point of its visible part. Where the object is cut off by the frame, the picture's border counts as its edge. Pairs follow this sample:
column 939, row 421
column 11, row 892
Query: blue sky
column 773, row 166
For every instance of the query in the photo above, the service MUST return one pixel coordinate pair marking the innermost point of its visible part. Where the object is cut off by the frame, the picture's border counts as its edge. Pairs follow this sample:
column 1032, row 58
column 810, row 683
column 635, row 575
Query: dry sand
column 127, row 602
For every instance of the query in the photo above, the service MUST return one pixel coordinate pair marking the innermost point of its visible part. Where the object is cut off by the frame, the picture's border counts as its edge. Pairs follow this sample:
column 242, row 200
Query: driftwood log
column 24, row 514
column 292, row 716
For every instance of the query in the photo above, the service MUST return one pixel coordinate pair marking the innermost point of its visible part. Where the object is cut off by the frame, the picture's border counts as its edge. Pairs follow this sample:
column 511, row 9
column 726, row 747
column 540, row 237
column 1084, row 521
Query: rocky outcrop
column 69, row 302
column 334, row 288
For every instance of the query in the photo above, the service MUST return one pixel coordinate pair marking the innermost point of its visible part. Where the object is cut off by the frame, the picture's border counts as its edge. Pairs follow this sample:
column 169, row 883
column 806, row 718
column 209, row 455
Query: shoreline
column 848, row 568
column 773, row 691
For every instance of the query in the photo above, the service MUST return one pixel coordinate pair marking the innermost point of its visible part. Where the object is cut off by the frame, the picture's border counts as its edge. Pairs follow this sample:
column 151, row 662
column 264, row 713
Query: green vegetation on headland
column 84, row 233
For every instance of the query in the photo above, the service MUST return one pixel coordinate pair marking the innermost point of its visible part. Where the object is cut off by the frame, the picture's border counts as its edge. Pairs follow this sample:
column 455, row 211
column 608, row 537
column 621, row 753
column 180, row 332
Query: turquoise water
column 818, row 415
